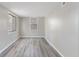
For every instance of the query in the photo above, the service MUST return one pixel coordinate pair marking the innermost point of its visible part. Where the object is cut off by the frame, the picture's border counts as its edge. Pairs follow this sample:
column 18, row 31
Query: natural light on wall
column 55, row 23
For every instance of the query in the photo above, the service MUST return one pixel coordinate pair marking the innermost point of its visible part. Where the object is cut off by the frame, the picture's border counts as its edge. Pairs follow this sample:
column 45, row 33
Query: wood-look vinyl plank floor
column 31, row 48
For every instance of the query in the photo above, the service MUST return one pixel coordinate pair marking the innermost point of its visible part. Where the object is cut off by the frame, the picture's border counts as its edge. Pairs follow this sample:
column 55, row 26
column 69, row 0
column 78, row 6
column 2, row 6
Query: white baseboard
column 31, row 36
column 7, row 48
column 56, row 50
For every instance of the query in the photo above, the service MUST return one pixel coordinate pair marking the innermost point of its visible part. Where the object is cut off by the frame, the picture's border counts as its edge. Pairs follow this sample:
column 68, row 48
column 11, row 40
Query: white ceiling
column 32, row 9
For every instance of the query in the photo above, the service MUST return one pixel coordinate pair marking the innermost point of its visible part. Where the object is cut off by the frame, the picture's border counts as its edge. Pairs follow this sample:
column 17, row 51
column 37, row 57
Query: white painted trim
column 33, row 36
column 7, row 46
column 52, row 45
column 10, row 12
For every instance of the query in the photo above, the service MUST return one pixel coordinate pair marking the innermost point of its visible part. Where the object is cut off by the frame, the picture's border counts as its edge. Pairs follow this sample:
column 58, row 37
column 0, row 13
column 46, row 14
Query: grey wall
column 6, row 38
column 62, row 28
column 25, row 28
column 3, row 27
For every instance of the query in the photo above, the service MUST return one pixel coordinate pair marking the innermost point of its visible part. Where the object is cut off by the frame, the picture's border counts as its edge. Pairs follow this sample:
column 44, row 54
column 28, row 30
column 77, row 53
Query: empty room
column 39, row 29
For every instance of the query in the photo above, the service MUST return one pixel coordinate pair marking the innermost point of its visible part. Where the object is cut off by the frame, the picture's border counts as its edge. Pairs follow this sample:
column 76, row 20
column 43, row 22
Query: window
column 33, row 24
column 11, row 23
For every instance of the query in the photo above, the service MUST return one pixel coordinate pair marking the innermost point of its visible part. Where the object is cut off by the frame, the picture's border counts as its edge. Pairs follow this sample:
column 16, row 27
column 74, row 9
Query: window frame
column 12, row 24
